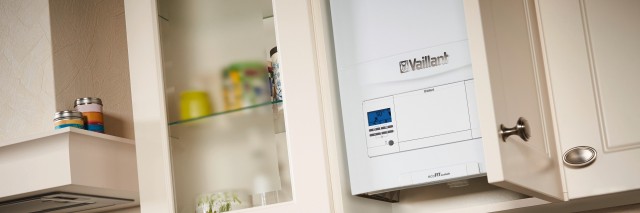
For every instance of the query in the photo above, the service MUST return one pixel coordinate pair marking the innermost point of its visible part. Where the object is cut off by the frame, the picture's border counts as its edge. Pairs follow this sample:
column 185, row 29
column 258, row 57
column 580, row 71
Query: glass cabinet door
column 239, row 126
column 224, row 104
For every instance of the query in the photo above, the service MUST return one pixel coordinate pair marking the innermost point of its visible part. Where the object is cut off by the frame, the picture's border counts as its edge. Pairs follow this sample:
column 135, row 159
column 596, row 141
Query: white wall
column 27, row 101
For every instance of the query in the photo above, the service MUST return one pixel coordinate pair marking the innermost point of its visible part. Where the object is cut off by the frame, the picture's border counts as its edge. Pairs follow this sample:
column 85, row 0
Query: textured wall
column 90, row 58
column 26, row 72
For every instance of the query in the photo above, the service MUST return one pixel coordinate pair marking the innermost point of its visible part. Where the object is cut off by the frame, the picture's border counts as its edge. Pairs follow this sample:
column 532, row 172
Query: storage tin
column 68, row 118
column 91, row 108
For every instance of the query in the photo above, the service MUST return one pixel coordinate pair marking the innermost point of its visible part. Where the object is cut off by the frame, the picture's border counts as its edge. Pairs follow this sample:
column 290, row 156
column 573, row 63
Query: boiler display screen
column 379, row 116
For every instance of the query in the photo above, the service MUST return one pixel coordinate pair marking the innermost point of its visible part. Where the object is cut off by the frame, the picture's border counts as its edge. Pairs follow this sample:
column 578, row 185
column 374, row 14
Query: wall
column 26, row 69
column 90, row 59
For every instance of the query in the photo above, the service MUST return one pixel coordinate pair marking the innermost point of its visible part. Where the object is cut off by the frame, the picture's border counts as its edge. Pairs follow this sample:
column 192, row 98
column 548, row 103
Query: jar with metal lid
column 68, row 118
column 91, row 108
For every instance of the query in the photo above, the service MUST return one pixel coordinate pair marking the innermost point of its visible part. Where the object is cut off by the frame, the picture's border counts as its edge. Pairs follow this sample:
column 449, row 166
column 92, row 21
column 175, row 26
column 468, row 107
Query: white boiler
column 406, row 91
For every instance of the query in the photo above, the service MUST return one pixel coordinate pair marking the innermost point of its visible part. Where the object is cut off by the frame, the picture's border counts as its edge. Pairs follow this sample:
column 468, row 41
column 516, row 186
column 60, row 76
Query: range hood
column 68, row 170
column 60, row 202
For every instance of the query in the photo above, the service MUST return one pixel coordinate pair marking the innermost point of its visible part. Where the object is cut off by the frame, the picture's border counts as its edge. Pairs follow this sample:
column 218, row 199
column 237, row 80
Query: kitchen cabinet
column 590, row 57
column 539, row 60
column 567, row 68
column 170, row 177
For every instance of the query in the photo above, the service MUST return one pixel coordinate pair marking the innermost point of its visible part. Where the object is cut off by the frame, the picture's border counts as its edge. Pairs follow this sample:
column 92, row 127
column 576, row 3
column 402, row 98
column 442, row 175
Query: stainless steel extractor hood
column 59, row 202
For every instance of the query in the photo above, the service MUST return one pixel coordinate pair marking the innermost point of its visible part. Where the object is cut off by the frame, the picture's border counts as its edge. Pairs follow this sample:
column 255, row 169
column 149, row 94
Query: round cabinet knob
column 579, row 156
column 521, row 129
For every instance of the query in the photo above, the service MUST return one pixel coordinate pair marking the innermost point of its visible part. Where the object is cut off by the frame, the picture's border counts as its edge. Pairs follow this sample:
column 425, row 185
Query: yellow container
column 194, row 104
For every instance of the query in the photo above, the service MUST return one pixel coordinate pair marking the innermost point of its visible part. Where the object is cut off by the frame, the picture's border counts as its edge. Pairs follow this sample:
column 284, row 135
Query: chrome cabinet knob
column 579, row 156
column 521, row 129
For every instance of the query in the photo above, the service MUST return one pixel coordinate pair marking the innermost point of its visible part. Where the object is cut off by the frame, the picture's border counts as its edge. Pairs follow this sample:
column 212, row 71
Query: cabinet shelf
column 224, row 112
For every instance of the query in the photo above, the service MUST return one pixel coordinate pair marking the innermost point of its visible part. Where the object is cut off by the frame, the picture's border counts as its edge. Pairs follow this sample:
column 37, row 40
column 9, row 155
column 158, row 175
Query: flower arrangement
column 217, row 202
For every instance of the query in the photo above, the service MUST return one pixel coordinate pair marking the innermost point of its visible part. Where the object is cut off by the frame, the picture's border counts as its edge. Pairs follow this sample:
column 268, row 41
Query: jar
column 68, row 118
column 91, row 109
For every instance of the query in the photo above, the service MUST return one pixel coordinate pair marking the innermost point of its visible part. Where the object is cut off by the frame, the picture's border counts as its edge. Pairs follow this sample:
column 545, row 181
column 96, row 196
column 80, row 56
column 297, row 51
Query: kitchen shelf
column 225, row 112
column 69, row 160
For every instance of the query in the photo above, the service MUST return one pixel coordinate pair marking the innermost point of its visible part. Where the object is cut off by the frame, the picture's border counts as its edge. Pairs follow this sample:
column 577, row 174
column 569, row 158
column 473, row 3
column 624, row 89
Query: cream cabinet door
column 306, row 153
column 570, row 68
column 592, row 50
column 511, row 84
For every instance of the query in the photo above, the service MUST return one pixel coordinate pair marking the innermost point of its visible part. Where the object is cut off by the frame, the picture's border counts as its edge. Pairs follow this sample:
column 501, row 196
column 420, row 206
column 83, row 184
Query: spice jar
column 68, row 118
column 91, row 109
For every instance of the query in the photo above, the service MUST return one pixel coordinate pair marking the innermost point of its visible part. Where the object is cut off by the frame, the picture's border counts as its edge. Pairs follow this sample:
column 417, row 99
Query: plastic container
column 245, row 84
column 194, row 104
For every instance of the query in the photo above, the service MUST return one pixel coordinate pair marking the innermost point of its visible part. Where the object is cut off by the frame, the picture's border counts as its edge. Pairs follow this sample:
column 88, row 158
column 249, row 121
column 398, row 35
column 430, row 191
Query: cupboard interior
column 241, row 149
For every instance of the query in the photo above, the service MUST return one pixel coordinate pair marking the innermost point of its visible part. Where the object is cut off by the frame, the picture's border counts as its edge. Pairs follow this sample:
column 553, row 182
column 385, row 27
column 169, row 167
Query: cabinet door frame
column 303, row 109
column 511, row 82
column 578, row 54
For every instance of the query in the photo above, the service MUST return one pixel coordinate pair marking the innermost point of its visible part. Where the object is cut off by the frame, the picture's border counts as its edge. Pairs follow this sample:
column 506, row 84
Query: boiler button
column 371, row 130
column 390, row 131
column 391, row 143
column 390, row 126
column 384, row 127
column 371, row 135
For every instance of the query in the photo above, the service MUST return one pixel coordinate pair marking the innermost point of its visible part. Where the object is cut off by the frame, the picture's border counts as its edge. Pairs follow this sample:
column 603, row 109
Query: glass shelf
column 224, row 113
column 240, row 153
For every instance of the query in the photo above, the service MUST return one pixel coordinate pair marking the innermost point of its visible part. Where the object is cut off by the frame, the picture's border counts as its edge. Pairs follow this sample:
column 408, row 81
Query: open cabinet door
column 511, row 84
column 176, row 165
column 591, row 53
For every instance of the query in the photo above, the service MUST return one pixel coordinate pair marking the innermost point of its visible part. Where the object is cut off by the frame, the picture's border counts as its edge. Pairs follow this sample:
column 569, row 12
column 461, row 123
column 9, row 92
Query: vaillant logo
column 423, row 63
